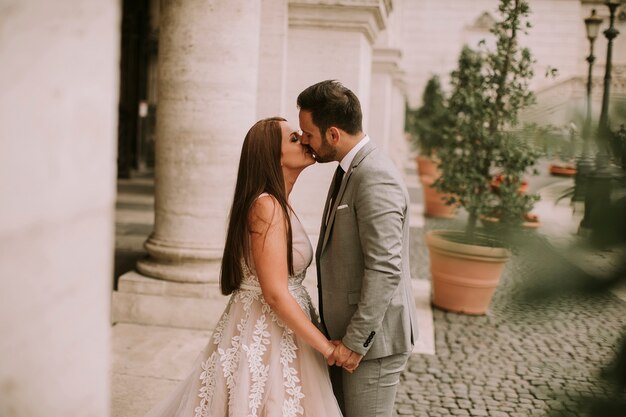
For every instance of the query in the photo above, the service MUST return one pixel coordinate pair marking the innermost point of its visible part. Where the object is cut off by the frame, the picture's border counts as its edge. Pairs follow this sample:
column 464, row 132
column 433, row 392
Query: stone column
column 208, row 65
column 388, row 88
column 387, row 108
column 385, row 65
column 329, row 40
column 399, row 147
column 59, row 80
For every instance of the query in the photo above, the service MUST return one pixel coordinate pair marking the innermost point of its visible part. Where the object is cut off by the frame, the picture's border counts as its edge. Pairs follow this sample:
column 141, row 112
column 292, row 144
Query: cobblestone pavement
column 525, row 357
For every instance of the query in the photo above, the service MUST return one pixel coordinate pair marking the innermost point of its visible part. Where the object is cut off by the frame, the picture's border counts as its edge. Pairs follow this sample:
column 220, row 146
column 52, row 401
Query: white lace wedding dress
column 253, row 365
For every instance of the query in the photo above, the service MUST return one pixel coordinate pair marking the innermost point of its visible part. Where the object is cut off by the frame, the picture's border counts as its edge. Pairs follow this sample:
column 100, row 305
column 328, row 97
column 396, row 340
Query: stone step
column 149, row 301
column 153, row 302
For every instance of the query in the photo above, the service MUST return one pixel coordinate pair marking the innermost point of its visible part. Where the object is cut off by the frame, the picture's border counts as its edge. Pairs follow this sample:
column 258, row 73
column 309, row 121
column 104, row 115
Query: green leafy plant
column 424, row 124
column 489, row 88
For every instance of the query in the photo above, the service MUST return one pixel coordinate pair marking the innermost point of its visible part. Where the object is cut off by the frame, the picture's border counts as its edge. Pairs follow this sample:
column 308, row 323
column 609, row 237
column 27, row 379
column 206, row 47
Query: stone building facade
column 212, row 68
column 434, row 31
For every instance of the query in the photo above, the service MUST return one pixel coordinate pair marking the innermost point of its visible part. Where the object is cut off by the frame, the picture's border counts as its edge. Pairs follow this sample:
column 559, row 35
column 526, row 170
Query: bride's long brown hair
column 259, row 172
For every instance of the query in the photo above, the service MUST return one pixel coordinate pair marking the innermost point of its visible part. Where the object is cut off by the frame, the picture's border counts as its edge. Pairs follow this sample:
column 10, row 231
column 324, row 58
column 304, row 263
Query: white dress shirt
column 346, row 162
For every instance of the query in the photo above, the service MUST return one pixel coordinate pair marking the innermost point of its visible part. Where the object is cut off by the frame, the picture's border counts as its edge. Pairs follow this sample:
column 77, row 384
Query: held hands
column 343, row 356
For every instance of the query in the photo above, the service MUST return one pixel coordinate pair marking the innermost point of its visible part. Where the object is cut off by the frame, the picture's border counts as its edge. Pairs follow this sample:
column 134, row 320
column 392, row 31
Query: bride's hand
column 346, row 358
column 328, row 355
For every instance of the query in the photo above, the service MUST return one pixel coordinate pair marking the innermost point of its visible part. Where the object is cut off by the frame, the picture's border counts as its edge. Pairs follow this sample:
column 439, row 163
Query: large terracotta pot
column 464, row 276
column 426, row 166
column 434, row 201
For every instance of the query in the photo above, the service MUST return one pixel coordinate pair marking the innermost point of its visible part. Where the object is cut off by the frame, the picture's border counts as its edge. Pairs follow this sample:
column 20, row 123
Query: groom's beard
column 327, row 153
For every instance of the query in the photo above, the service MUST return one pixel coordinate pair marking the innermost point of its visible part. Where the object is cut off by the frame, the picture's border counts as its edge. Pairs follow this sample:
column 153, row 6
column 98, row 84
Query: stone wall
column 272, row 59
column 58, row 133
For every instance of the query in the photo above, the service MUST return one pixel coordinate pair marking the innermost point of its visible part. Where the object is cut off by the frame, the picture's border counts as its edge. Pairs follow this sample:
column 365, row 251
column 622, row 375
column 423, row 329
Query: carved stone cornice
column 387, row 61
column 366, row 16
column 399, row 80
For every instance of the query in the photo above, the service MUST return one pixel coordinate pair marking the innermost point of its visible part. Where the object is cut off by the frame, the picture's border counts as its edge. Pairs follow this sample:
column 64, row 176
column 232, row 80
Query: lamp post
column 592, row 25
column 610, row 34
column 601, row 179
column 584, row 163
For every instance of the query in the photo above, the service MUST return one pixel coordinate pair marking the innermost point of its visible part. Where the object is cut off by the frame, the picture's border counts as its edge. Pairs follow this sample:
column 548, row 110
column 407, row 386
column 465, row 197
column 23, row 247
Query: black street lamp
column 601, row 180
column 610, row 34
column 592, row 25
column 584, row 164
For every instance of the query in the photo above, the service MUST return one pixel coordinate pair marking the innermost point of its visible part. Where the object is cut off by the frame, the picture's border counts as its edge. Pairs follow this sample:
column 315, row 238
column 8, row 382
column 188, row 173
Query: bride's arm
column 269, row 251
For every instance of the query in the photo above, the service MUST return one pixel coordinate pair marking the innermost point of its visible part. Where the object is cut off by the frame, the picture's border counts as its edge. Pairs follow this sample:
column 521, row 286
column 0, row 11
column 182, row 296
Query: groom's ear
column 334, row 135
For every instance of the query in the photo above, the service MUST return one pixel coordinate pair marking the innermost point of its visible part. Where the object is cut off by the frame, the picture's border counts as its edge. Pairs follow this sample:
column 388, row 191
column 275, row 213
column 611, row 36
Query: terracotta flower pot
column 531, row 221
column 497, row 180
column 563, row 170
column 464, row 276
column 426, row 166
column 434, row 201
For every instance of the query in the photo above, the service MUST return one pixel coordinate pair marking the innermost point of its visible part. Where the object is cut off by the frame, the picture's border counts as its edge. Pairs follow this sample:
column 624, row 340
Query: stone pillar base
column 149, row 301
column 177, row 263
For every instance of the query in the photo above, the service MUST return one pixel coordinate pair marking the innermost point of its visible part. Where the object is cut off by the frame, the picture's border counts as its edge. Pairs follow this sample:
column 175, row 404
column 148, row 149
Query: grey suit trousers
column 369, row 391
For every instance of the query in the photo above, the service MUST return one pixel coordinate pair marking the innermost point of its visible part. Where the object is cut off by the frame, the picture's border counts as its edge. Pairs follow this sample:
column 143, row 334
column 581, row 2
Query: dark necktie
column 333, row 196
column 336, row 187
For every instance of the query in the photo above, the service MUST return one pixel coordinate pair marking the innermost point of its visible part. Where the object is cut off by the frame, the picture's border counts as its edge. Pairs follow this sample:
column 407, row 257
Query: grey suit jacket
column 362, row 258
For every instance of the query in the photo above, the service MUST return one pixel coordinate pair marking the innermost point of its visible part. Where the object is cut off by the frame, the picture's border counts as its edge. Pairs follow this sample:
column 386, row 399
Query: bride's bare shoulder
column 265, row 211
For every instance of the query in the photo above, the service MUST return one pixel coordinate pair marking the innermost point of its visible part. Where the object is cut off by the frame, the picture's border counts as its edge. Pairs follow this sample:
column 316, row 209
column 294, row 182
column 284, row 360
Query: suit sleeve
column 380, row 209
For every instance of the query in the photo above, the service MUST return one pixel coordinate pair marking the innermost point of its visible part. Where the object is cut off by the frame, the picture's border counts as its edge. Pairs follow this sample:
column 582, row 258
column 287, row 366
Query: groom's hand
column 346, row 358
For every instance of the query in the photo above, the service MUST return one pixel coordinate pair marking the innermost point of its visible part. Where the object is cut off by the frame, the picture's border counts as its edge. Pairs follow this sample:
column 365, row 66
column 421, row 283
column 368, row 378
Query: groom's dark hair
column 332, row 104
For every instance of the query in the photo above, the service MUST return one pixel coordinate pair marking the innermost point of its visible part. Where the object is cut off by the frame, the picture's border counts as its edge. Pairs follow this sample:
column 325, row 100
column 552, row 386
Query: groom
column 366, row 301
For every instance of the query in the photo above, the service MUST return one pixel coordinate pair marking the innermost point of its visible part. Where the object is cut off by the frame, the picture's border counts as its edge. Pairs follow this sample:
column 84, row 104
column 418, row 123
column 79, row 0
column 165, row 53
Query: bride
column 266, row 355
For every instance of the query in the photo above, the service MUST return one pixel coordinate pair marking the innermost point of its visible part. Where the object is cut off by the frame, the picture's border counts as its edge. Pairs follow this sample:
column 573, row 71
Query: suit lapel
column 323, row 227
column 369, row 147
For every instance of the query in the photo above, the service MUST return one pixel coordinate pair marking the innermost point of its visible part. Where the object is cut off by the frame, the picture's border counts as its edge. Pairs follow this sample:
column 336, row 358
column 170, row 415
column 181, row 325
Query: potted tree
column 425, row 127
column 512, row 205
column 489, row 88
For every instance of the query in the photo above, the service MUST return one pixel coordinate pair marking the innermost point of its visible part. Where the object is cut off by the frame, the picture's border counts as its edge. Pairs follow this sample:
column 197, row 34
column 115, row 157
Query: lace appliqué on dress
column 258, row 370
column 250, row 298
column 230, row 359
column 208, row 386
column 291, row 405
column 207, row 376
